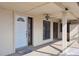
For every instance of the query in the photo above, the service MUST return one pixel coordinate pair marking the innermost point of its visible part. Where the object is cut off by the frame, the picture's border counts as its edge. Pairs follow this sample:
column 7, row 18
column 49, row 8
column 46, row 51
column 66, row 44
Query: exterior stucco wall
column 7, row 39
column 6, row 32
column 38, row 31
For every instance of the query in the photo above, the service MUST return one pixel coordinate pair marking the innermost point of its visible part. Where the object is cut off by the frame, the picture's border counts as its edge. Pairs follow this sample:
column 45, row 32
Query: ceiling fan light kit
column 47, row 16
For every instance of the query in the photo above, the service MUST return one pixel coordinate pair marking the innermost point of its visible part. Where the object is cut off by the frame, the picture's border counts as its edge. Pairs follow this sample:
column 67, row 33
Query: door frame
column 31, row 31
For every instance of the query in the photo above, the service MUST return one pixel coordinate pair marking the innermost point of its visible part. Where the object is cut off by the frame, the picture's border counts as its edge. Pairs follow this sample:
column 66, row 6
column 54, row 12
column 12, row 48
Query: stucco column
column 64, row 31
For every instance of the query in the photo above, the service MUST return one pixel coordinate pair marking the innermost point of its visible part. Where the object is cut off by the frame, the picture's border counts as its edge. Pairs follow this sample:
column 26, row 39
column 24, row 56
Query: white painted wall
column 7, row 39
column 6, row 32
column 38, row 31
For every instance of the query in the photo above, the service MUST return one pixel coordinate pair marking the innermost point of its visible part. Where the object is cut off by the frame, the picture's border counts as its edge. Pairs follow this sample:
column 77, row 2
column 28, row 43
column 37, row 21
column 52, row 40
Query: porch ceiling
column 40, row 8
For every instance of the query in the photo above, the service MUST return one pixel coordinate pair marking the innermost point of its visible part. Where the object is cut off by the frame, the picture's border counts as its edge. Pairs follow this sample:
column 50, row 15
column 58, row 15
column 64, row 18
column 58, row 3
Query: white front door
column 20, row 32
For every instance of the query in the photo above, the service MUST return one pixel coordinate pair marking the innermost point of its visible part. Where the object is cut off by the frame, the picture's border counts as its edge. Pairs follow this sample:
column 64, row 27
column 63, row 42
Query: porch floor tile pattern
column 49, row 49
column 42, row 50
column 73, row 50
column 55, row 49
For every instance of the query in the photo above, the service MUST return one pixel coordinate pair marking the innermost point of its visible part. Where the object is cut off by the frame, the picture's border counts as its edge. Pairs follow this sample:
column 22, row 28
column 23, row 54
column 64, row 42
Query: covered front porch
column 48, row 28
column 55, row 49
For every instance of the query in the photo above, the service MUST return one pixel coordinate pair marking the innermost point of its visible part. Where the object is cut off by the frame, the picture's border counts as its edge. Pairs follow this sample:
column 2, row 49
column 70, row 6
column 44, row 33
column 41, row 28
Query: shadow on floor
column 48, row 44
column 55, row 48
column 27, row 50
column 44, row 45
column 51, row 54
column 46, row 53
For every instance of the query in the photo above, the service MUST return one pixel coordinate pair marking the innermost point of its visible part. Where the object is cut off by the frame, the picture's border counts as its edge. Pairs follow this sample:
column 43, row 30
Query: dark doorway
column 30, row 30
column 55, row 30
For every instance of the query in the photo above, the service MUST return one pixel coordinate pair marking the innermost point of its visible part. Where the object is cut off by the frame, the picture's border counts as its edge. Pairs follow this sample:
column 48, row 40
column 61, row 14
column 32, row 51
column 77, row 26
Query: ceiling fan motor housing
column 66, row 9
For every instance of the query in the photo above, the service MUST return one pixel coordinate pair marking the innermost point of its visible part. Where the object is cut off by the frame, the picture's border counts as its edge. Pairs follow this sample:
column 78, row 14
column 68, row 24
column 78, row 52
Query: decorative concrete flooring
column 55, row 49
column 49, row 49
column 73, row 50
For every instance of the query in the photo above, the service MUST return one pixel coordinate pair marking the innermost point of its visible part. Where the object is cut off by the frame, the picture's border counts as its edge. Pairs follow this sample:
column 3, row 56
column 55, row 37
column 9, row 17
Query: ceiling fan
column 48, row 16
column 65, row 9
